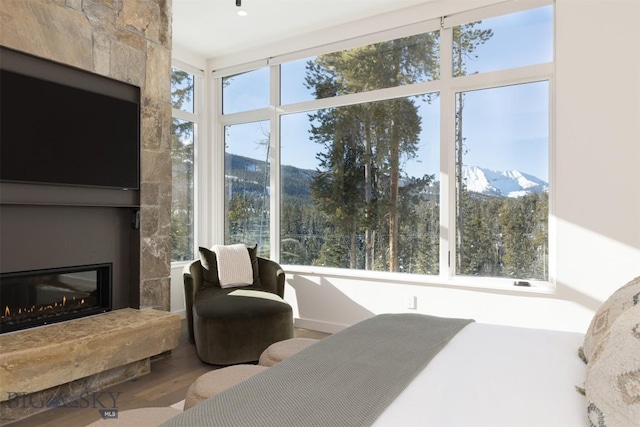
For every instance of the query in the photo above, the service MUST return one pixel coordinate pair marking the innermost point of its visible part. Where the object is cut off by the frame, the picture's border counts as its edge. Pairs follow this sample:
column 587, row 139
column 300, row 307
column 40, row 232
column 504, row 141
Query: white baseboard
column 182, row 313
column 317, row 325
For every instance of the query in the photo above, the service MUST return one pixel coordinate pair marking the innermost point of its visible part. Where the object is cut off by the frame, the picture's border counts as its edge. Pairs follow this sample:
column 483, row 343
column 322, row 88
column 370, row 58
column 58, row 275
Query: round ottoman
column 212, row 383
column 280, row 350
column 141, row 417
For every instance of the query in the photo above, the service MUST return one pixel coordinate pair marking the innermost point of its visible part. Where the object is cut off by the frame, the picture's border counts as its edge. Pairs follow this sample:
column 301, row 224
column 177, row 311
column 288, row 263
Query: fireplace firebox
column 40, row 297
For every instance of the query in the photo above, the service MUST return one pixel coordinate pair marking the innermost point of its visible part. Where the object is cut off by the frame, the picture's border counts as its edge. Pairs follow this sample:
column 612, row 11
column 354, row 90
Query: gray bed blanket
column 347, row 379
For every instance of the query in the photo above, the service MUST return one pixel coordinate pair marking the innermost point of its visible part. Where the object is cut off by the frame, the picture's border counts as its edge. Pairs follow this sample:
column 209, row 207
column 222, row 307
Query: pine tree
column 364, row 143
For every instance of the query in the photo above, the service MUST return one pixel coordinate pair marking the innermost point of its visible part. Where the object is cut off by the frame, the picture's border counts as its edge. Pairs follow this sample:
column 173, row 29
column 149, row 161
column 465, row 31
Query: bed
column 491, row 375
column 500, row 375
column 419, row 370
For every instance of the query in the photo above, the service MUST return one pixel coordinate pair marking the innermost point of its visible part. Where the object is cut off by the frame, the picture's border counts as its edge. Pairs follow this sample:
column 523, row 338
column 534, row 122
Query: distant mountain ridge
column 502, row 183
column 295, row 181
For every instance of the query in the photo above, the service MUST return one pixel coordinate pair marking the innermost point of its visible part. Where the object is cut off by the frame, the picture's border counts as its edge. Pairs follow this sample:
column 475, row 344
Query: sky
column 504, row 128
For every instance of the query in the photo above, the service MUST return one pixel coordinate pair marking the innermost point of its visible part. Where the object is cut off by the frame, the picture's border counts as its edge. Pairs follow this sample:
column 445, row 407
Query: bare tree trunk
column 352, row 249
column 368, row 197
column 394, row 182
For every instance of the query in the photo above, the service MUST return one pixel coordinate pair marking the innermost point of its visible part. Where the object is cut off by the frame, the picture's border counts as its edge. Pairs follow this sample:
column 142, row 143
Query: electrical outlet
column 411, row 302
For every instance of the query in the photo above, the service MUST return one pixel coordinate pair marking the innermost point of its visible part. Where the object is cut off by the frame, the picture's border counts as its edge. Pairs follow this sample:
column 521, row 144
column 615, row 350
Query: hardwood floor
column 165, row 385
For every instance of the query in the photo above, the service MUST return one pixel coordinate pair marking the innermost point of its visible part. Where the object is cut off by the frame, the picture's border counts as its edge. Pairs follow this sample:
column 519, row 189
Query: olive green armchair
column 235, row 325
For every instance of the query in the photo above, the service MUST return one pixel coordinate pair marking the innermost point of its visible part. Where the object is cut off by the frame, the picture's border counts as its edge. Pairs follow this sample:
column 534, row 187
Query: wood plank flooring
column 166, row 385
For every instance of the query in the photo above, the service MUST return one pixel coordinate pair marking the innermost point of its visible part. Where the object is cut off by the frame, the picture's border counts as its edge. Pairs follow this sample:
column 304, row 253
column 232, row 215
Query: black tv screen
column 57, row 134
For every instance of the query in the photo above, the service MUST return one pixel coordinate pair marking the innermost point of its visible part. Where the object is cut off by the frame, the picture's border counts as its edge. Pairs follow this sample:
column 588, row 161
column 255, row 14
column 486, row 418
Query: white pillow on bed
column 621, row 300
column 612, row 383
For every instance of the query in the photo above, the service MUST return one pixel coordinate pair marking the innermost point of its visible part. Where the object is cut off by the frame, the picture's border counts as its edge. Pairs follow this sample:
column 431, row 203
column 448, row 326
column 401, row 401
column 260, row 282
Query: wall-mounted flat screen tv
column 54, row 133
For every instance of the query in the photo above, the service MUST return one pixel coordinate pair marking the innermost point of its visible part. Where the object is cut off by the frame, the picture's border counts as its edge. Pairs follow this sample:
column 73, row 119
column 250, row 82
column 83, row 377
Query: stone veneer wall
column 128, row 40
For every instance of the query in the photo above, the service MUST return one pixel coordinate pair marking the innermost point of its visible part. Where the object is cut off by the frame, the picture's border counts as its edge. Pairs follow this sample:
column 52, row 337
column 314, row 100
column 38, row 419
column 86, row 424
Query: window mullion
column 509, row 77
column 447, row 157
column 274, row 158
column 363, row 97
column 216, row 160
column 245, row 116
column 184, row 115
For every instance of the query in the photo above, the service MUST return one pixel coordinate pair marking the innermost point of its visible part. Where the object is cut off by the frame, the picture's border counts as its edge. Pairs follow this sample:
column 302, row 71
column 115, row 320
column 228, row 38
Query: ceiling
column 212, row 28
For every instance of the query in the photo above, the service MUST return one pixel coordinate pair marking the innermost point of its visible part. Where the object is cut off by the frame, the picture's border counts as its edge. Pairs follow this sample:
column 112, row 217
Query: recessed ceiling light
column 242, row 13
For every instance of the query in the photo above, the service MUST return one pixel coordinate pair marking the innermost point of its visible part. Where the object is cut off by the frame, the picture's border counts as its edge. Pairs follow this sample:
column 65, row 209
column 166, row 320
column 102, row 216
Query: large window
column 388, row 159
column 358, row 193
column 502, row 185
column 246, row 177
column 502, row 147
column 183, row 128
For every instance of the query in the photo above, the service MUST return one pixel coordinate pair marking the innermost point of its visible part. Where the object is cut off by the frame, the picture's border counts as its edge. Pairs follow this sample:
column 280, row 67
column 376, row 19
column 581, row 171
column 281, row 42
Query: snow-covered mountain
column 502, row 183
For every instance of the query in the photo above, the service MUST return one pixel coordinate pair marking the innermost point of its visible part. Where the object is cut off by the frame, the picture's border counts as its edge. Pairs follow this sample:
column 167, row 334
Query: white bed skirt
column 497, row 376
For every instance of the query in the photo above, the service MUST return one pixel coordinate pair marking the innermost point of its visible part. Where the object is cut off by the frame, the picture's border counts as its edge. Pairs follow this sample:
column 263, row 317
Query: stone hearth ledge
column 39, row 358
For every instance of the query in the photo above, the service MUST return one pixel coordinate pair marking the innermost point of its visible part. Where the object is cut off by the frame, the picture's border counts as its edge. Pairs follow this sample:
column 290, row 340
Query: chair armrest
column 272, row 276
column 192, row 278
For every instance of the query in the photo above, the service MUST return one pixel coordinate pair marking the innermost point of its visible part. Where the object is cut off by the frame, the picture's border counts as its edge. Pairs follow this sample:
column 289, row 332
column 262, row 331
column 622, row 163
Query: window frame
column 447, row 86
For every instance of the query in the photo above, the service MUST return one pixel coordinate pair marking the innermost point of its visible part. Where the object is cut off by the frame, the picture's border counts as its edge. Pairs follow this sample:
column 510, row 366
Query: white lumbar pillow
column 234, row 265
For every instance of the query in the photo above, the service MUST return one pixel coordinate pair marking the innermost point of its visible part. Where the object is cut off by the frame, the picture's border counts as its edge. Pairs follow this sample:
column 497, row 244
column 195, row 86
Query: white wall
column 598, row 139
column 597, row 195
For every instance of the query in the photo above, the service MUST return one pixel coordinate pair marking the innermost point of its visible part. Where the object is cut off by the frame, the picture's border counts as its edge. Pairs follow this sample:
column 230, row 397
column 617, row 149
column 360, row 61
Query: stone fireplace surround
column 50, row 366
column 128, row 41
